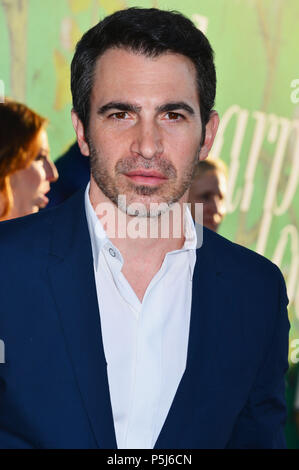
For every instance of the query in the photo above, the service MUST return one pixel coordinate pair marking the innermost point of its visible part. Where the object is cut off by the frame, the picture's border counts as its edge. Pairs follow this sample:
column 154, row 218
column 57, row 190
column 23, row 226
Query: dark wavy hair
column 151, row 32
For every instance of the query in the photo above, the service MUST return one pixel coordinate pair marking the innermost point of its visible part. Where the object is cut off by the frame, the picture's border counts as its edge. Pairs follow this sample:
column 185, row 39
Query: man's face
column 145, row 129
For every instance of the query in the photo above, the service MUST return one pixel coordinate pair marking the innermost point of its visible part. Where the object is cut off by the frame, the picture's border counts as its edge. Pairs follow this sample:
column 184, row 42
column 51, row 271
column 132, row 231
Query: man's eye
column 120, row 115
column 174, row 116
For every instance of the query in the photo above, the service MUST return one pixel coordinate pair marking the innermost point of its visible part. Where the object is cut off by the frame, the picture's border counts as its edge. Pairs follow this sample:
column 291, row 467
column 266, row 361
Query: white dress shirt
column 145, row 343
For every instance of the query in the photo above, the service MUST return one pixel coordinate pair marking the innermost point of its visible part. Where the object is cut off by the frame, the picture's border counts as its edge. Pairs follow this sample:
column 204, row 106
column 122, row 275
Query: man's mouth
column 151, row 177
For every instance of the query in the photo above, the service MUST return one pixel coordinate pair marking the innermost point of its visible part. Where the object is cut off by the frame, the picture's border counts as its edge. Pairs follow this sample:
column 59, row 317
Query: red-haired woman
column 26, row 170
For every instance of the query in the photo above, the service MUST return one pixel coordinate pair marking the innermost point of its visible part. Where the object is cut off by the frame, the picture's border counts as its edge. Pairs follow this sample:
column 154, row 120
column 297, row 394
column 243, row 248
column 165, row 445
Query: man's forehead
column 127, row 72
column 125, row 52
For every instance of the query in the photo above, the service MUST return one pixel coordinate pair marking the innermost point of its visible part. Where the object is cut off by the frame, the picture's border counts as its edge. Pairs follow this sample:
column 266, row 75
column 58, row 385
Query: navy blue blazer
column 54, row 389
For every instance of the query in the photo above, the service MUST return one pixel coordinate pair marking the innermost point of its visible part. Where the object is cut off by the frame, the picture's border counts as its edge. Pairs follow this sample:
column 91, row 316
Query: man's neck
column 142, row 241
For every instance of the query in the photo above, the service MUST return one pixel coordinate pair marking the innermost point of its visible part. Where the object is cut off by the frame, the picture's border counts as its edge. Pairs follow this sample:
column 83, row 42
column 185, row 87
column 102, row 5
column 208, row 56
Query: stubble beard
column 167, row 194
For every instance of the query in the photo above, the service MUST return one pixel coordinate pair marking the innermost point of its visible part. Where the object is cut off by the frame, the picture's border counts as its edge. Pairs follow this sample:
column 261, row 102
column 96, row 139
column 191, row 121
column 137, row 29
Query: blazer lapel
column 179, row 430
column 72, row 279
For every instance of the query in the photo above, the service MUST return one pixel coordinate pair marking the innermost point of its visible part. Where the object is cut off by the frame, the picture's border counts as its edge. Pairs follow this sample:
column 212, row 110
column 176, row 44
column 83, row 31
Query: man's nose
column 51, row 171
column 147, row 140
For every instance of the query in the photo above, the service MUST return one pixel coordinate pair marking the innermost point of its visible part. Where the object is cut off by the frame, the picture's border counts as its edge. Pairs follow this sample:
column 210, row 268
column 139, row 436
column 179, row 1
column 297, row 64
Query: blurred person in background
column 26, row 170
column 209, row 187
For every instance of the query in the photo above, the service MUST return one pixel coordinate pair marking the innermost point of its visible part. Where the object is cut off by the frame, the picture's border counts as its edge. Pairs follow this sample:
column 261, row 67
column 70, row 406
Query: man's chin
column 143, row 206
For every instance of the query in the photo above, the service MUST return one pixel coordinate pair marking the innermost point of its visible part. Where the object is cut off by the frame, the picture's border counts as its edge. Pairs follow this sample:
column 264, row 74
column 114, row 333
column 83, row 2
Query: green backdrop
column 256, row 46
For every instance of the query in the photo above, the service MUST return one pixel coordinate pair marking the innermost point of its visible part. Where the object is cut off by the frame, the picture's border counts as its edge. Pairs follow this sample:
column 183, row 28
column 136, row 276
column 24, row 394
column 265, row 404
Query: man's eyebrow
column 167, row 107
column 121, row 106
column 174, row 106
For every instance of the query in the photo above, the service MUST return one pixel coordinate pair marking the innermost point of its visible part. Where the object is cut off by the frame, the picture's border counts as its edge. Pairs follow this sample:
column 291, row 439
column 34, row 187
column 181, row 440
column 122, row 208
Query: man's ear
column 79, row 129
column 211, row 130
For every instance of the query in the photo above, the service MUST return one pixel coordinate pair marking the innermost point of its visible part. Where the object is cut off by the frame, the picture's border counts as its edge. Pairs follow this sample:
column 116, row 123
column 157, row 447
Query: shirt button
column 112, row 252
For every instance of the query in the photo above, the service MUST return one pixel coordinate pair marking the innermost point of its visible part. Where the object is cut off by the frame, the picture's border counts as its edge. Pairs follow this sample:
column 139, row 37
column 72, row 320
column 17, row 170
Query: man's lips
column 146, row 176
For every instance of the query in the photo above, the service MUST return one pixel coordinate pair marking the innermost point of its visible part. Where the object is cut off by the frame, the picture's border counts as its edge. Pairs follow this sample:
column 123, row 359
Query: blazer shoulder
column 34, row 228
column 234, row 257
column 28, row 229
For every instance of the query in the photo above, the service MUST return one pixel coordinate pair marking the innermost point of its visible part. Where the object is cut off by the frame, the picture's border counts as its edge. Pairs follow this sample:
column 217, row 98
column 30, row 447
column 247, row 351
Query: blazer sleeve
column 260, row 425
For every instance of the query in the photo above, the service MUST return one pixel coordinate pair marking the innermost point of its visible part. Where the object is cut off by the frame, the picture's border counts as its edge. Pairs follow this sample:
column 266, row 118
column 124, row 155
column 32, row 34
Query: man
column 139, row 342
column 209, row 187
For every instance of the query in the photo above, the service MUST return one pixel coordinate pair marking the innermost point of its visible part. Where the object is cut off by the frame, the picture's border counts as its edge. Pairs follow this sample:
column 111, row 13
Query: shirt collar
column 99, row 238
column 97, row 233
column 190, row 232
